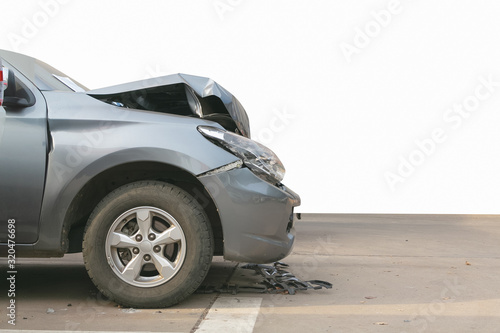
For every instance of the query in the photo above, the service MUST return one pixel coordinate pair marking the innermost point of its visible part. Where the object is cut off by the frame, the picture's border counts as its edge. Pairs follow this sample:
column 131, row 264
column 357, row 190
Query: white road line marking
column 231, row 314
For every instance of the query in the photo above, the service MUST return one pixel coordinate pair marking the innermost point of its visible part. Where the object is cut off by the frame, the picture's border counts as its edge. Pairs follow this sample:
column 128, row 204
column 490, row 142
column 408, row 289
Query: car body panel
column 256, row 217
column 95, row 136
column 97, row 129
column 23, row 151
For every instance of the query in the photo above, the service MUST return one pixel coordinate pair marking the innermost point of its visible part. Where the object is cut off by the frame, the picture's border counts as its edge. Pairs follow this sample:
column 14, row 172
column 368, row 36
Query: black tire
column 122, row 271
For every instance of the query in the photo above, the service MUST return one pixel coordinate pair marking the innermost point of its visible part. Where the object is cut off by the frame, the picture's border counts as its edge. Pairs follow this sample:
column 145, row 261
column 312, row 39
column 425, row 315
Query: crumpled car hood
column 205, row 90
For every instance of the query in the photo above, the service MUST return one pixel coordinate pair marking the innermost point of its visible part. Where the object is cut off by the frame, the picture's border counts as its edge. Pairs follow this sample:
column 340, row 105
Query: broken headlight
column 258, row 158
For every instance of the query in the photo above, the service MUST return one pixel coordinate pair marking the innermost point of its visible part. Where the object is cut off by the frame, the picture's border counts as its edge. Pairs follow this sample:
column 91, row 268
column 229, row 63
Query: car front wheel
column 148, row 244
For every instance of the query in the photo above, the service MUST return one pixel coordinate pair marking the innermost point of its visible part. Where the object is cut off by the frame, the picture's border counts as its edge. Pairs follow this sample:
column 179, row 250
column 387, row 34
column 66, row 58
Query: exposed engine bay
column 182, row 95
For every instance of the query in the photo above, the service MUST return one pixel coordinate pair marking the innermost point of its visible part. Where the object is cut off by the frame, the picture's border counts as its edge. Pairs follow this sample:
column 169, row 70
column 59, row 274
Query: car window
column 48, row 78
column 44, row 76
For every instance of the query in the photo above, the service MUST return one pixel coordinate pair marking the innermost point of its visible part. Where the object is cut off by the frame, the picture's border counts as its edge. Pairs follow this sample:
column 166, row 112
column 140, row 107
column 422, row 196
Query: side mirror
column 16, row 102
column 14, row 93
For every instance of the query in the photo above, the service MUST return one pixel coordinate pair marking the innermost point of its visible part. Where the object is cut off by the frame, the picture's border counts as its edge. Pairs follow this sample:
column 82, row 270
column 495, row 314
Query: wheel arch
column 105, row 182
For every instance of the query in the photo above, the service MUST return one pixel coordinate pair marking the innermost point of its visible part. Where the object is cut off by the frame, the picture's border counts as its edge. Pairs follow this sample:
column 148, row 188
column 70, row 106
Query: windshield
column 44, row 76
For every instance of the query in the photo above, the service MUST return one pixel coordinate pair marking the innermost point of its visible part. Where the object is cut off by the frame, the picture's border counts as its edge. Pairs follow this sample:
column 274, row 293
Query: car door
column 23, row 154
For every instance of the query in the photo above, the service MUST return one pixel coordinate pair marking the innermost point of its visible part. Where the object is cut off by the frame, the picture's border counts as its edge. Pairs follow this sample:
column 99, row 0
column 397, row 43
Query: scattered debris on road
column 276, row 280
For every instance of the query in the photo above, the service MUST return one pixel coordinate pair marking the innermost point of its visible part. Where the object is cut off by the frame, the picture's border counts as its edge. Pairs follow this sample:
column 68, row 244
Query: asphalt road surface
column 390, row 273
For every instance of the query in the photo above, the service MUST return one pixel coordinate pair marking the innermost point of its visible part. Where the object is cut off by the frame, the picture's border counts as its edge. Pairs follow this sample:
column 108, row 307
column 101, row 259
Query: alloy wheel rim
column 145, row 246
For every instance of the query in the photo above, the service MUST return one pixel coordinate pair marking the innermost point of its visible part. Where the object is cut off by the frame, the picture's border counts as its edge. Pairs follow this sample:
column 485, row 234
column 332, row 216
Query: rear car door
column 23, row 156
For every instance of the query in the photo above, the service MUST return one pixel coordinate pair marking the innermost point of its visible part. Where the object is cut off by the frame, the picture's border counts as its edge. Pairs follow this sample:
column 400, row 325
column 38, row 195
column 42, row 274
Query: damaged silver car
column 148, row 179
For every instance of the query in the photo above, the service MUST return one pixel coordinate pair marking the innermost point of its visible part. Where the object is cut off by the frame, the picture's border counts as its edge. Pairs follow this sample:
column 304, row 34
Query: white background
column 339, row 123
